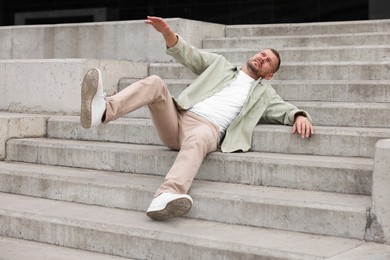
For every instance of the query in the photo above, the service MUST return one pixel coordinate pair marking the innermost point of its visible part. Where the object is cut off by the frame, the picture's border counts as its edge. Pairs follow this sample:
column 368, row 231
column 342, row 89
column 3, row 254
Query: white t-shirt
column 223, row 107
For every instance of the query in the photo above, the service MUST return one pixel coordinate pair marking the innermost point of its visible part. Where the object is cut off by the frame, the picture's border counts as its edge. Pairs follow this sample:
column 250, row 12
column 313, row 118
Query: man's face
column 263, row 64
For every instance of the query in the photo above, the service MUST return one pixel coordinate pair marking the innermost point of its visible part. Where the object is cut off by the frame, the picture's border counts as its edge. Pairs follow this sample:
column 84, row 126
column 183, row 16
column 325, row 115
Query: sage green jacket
column 263, row 104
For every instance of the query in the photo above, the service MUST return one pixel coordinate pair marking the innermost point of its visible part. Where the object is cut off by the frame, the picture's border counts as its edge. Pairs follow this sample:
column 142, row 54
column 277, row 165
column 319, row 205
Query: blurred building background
column 217, row 11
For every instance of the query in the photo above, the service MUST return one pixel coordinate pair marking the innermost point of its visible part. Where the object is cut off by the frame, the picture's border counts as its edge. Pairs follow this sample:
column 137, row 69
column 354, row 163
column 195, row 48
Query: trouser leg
column 152, row 92
column 198, row 137
column 192, row 135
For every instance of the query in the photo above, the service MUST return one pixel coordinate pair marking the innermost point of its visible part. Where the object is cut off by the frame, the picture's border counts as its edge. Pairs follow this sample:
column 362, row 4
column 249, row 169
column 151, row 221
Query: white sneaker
column 169, row 205
column 93, row 103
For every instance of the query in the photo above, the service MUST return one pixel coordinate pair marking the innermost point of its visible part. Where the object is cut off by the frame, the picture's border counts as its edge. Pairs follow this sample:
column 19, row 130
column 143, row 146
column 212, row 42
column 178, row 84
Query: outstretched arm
column 279, row 111
column 162, row 27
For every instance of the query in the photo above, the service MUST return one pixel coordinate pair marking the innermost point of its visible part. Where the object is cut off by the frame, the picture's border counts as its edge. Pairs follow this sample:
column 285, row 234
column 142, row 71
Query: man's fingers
column 311, row 131
column 294, row 130
column 303, row 128
column 308, row 130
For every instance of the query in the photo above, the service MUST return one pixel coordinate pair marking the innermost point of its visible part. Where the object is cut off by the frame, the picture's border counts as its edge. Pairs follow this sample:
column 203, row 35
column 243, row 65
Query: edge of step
column 114, row 231
column 322, row 173
column 266, row 138
column 334, row 214
column 14, row 249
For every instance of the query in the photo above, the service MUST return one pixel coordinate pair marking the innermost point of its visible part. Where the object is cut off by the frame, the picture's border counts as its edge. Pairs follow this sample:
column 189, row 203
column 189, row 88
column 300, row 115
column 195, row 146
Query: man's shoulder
column 266, row 86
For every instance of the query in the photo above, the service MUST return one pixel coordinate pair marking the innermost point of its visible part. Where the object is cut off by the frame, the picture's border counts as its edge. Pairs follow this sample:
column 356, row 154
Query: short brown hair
column 277, row 56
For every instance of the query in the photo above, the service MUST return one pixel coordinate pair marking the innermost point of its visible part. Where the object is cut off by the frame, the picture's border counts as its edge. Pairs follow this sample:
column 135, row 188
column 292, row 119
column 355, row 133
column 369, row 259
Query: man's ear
column 268, row 77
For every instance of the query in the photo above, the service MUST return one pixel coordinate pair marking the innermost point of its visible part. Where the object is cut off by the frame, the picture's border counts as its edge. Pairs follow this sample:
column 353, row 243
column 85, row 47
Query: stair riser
column 296, row 172
column 333, row 92
column 325, row 141
column 334, row 72
column 236, row 210
column 349, row 116
column 111, row 240
column 300, row 219
column 13, row 249
column 309, row 41
column 315, row 71
column 80, row 190
column 321, row 143
column 374, row 54
column 53, row 85
column 308, row 29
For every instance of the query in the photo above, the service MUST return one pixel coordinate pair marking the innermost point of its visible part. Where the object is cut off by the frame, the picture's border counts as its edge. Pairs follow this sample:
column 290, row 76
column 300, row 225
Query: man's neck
column 249, row 72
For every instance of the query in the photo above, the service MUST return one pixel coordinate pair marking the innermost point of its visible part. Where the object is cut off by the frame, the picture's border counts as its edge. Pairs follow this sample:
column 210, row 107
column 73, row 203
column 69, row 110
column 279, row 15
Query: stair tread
column 200, row 188
column 271, row 127
column 140, row 148
column 14, row 249
column 193, row 232
column 351, row 48
column 350, row 175
column 280, row 37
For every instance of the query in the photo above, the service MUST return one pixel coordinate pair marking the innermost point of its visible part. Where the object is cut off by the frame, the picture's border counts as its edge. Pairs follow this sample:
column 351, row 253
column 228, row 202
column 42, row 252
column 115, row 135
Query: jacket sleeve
column 280, row 111
column 186, row 54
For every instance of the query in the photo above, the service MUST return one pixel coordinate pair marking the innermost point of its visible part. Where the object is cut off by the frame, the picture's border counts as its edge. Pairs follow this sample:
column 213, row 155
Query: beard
column 251, row 67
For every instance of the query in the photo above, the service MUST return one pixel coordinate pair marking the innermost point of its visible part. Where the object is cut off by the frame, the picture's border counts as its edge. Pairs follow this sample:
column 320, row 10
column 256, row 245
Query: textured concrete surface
column 320, row 173
column 131, row 234
column 319, row 70
column 356, row 141
column 54, row 86
column 19, row 126
column 308, row 28
column 366, row 91
column 19, row 249
column 295, row 210
column 368, row 251
column 379, row 226
column 309, row 54
column 124, row 40
column 304, row 40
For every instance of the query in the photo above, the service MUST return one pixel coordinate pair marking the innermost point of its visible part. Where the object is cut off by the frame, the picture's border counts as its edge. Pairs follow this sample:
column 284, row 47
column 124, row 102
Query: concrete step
column 340, row 215
column 372, row 251
column 307, row 90
column 304, row 172
column 53, row 85
column 117, row 40
column 16, row 125
column 18, row 249
column 370, row 91
column 322, row 28
column 131, row 234
column 348, row 114
column 327, row 140
column 353, row 104
column 285, row 41
column 297, row 71
column 373, row 53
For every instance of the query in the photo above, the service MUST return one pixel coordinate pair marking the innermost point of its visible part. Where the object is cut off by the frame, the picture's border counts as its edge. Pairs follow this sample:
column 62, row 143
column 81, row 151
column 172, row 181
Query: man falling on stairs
column 219, row 109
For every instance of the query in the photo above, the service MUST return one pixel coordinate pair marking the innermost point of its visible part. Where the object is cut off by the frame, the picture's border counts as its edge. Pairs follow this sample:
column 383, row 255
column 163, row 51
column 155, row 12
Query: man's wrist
column 299, row 114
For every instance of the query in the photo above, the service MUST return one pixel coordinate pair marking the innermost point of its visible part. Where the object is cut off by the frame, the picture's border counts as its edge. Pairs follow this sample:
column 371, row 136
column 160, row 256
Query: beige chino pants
column 192, row 135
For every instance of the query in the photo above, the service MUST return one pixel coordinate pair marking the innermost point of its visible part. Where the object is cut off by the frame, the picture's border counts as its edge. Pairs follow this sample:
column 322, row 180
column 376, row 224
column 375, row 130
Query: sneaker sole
column 89, row 88
column 174, row 208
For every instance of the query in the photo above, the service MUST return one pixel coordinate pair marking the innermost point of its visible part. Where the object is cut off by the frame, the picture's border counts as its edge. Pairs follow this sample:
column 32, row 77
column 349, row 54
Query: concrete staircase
column 72, row 193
